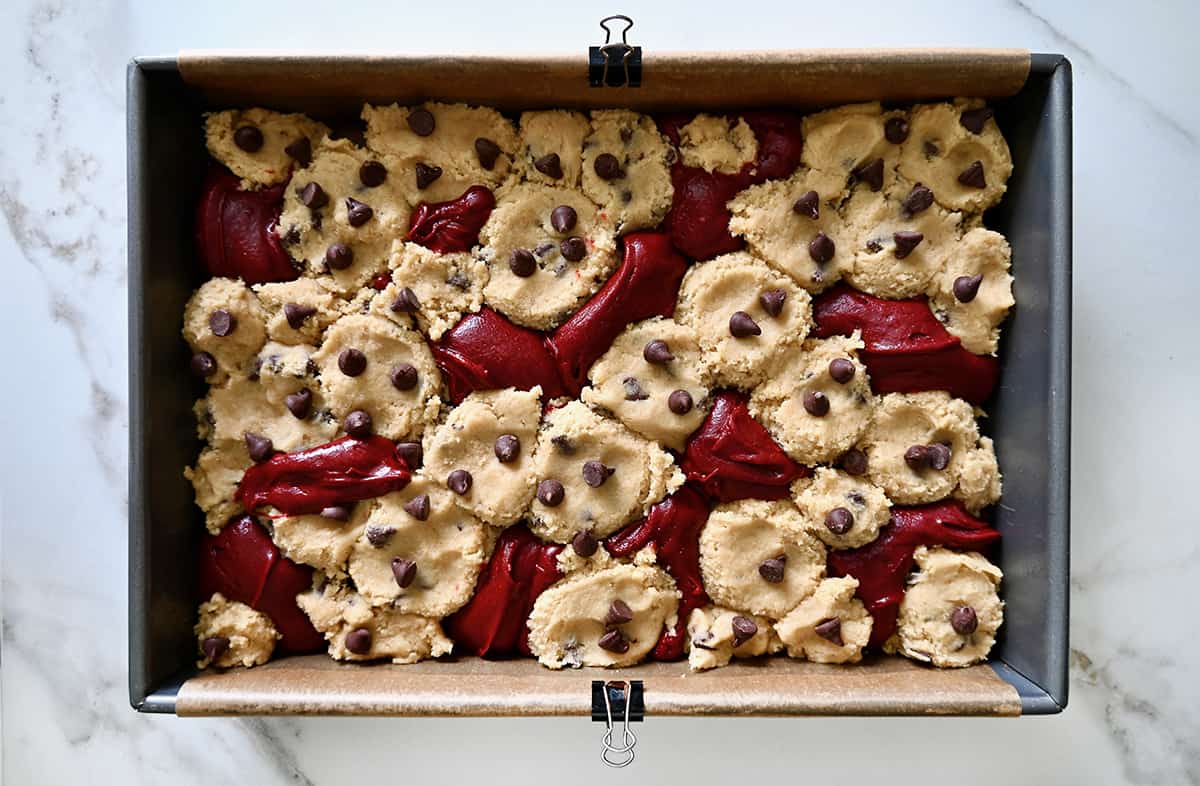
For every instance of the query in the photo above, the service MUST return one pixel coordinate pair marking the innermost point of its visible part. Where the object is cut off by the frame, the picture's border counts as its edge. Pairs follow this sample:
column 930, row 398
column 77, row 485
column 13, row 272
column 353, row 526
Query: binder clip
column 622, row 700
column 616, row 63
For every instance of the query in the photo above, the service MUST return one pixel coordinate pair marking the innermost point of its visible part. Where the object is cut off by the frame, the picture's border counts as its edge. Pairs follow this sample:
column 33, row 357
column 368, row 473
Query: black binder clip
column 616, row 64
column 618, row 702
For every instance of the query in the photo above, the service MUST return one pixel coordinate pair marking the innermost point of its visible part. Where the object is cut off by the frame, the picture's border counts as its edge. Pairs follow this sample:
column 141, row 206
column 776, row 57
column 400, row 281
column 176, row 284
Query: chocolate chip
column 584, row 543
column 300, row 151
column 626, row 196
column 821, row 248
column 608, row 167
column 459, row 281
column 403, row 376
column 839, row 521
column 522, row 263
column 214, row 647
column 937, row 456
column 595, row 473
column 549, row 165
column 507, row 448
column 418, row 507
column 563, row 443
column 874, row 246
column 974, row 119
column 372, row 174
column 857, row 498
column 248, row 138
column 744, row 629
column 411, row 453
column 358, row 641
column 816, row 403
column 203, row 365
column 657, row 352
column 550, row 493
column 405, row 570
column 573, row 249
column 633, row 390
column 871, row 173
column 426, row 174
column 906, row 241
column 613, row 641
column 618, row 613
column 299, row 403
column 772, row 301
column 918, row 199
column 379, row 536
column 930, row 149
column 421, row 122
column 972, row 176
column 358, row 424
column 352, row 362
column 459, row 481
column 830, row 630
column 295, row 314
column 772, row 569
column 967, row 287
column 260, row 447
column 339, row 256
column 222, row 323
column 854, row 461
column 809, row 204
column 313, row 196
column 895, row 130
column 917, row 457
column 487, row 151
column 563, row 218
column 964, row 620
column 406, row 302
column 357, row 213
column 842, row 370
column 742, row 326
column 680, row 402
column 626, row 134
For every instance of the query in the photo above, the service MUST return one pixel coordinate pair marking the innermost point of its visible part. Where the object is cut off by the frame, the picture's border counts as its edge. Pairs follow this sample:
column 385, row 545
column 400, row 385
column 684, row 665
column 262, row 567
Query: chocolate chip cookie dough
column 626, row 165
column 717, row 144
column 358, row 631
column 973, row 295
column 552, row 147
column 843, row 510
column 435, row 289
column 830, row 626
column 717, row 635
column 857, row 143
column 298, row 312
column 260, row 146
column 225, row 325
column 323, row 540
column 233, row 634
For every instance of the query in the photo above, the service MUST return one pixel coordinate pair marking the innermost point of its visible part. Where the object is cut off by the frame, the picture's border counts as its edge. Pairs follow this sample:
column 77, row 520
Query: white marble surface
column 1133, row 715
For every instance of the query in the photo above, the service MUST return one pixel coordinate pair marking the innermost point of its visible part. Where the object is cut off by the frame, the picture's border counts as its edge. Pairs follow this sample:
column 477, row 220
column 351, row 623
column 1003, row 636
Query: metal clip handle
column 616, row 63
column 620, row 754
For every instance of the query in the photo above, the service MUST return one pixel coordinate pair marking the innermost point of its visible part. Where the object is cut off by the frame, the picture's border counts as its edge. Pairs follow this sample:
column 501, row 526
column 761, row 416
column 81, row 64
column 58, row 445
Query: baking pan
column 1030, row 411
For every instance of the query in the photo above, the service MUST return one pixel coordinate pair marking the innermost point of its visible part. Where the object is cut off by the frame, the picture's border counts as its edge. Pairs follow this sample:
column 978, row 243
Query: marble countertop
column 1134, row 713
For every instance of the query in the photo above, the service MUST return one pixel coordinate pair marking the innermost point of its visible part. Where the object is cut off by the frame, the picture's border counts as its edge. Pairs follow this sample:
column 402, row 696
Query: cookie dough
column 756, row 557
column 844, row 511
column 260, row 146
column 809, row 410
column 610, row 617
column 446, row 286
column 542, row 266
column 715, row 300
column 634, row 191
column 855, row 144
column 224, row 318
column 299, row 311
column 215, row 478
column 369, row 363
column 973, row 308
column 713, row 639
column 966, row 170
column 552, row 147
column 357, row 631
column 717, row 144
column 233, row 634
column 470, row 440
column 605, row 475
column 246, row 406
column 662, row 399
column 830, row 626
column 323, row 541
column 951, row 611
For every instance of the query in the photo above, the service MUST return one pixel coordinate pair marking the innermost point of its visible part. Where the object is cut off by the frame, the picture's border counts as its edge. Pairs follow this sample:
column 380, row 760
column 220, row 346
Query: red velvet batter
column 883, row 565
column 338, row 472
column 446, row 227
column 244, row 565
column 485, row 351
column 493, row 621
column 733, row 457
column 906, row 349
column 235, row 230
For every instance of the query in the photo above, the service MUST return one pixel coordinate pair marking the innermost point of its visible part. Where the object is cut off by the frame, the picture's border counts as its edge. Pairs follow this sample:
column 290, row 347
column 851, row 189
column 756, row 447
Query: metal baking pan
column 1030, row 413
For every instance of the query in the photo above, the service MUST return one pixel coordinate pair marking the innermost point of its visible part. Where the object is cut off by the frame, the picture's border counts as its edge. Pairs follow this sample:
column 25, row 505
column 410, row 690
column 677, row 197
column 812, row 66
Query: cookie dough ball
column 626, row 169
column 246, row 406
column 830, row 626
column 844, row 511
column 795, row 226
column 857, row 143
column 757, row 558
column 594, row 475
column 817, row 403
column 973, row 295
column 224, row 319
column 369, row 363
column 610, row 617
column 896, row 253
column 745, row 315
column 921, row 445
column 357, row 632
column 491, row 437
column 717, row 635
column 233, row 634
column 650, row 380
column 322, row 540
column 338, row 224
column 547, row 250
column 552, row 147
column 440, row 288
column 951, row 611
column 958, row 152
column 215, row 479
column 260, row 146
column 717, row 144
column 298, row 311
